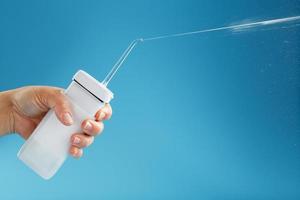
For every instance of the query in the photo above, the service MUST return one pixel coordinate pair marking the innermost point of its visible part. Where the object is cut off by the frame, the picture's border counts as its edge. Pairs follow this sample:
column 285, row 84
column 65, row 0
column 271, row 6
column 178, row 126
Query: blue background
column 213, row 116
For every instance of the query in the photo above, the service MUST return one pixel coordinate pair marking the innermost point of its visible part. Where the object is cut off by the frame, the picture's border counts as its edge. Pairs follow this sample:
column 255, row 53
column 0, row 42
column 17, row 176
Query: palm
column 28, row 112
column 25, row 125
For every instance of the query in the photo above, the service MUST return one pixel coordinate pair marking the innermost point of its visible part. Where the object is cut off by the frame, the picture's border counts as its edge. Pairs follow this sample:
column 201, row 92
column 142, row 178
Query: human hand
column 22, row 109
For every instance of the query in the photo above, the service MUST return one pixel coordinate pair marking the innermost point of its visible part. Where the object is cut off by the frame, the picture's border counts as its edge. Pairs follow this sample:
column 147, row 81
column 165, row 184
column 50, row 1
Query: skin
column 22, row 109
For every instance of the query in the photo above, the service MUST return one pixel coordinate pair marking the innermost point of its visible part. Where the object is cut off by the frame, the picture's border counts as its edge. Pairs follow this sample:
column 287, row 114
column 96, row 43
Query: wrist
column 6, row 112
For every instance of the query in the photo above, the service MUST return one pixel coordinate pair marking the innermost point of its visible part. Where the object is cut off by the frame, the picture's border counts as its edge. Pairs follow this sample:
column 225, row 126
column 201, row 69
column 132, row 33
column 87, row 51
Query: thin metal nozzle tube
column 120, row 61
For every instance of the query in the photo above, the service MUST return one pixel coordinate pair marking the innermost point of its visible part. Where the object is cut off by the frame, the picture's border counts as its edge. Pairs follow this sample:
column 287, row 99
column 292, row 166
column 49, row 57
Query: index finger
column 104, row 113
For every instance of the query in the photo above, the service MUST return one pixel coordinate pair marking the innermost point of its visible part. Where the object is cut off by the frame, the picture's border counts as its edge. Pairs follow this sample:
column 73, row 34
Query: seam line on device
column 87, row 90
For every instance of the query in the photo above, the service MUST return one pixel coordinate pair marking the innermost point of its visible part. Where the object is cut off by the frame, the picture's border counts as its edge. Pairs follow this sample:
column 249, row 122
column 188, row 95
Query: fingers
column 79, row 141
column 104, row 113
column 62, row 108
column 54, row 98
column 91, row 127
column 75, row 152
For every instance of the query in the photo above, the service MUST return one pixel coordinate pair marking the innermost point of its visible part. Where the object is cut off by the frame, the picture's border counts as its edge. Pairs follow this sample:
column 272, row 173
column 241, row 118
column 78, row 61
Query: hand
column 21, row 110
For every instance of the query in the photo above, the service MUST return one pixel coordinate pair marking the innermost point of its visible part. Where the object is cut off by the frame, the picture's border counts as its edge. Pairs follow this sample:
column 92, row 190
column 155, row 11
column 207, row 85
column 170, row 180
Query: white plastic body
column 47, row 148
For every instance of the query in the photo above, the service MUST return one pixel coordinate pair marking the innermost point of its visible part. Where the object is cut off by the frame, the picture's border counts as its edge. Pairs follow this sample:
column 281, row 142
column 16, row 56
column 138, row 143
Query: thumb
column 54, row 98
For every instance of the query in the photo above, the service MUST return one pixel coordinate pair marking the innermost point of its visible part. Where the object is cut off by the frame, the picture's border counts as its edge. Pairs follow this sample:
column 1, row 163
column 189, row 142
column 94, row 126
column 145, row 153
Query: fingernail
column 68, row 118
column 76, row 140
column 88, row 126
column 102, row 115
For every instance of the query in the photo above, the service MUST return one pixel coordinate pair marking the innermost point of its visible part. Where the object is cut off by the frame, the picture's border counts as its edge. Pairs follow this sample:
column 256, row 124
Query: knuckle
column 90, row 141
column 101, row 127
column 79, row 153
column 97, row 128
column 86, row 142
column 110, row 109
